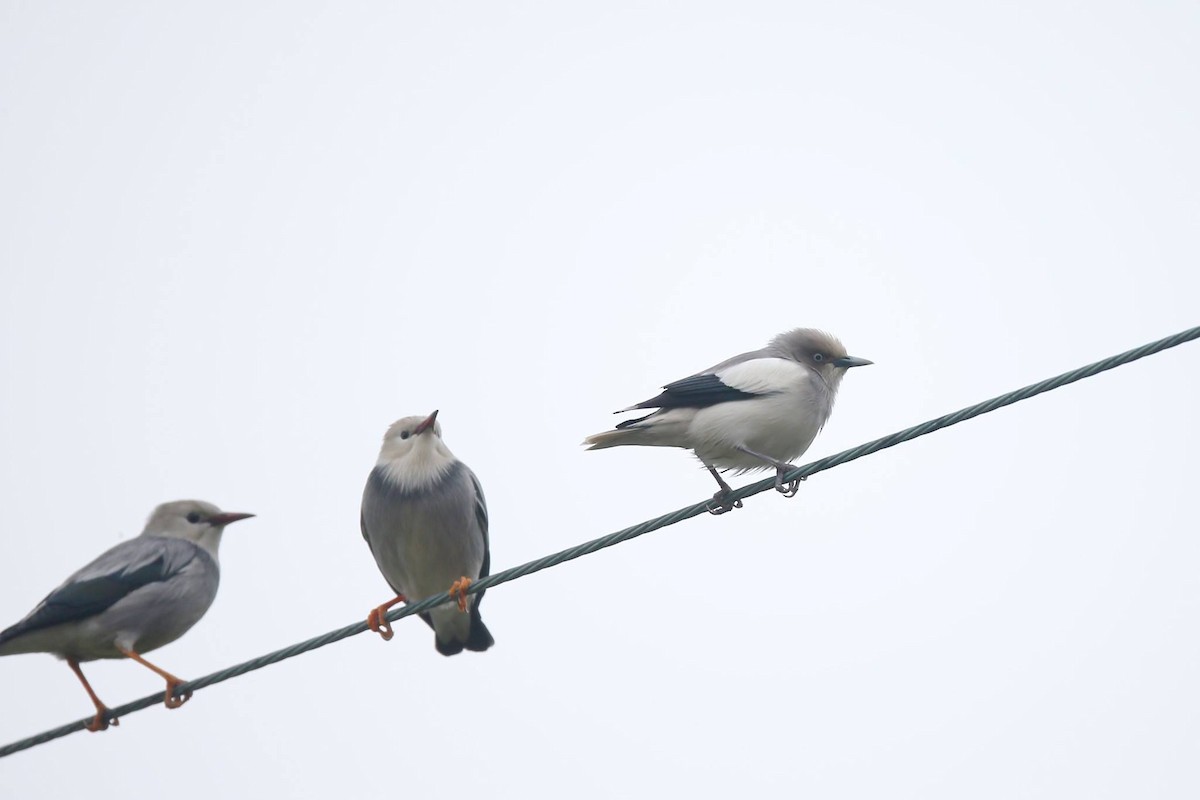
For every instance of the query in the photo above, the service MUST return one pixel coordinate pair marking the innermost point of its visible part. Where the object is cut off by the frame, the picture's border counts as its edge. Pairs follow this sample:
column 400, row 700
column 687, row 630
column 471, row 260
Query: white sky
column 241, row 239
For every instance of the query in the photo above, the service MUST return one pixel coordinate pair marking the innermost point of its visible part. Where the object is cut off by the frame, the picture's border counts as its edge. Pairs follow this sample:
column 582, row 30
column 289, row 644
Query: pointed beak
column 850, row 361
column 226, row 517
column 425, row 424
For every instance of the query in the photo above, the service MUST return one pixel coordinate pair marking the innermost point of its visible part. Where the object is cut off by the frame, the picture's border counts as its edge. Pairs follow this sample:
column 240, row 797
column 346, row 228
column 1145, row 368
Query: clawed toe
column 378, row 622
column 721, row 502
column 458, row 591
column 789, row 488
column 104, row 717
column 172, row 700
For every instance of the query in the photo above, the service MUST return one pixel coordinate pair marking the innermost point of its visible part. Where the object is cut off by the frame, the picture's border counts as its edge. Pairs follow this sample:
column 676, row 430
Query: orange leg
column 104, row 717
column 169, row 699
column 458, row 591
column 377, row 619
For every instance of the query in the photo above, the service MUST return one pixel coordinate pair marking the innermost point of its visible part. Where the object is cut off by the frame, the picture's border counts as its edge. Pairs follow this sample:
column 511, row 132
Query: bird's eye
column 404, row 434
column 193, row 517
column 818, row 357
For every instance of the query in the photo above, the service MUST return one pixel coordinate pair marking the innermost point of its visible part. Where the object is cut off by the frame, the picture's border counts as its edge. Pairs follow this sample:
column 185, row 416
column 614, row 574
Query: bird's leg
column 169, row 699
column 377, row 620
column 458, row 591
column 788, row 489
column 721, row 498
column 104, row 716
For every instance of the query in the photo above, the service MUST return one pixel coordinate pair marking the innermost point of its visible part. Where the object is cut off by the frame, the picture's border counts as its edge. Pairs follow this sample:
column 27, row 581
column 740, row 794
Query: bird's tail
column 12, row 642
column 599, row 441
column 478, row 639
column 660, row 429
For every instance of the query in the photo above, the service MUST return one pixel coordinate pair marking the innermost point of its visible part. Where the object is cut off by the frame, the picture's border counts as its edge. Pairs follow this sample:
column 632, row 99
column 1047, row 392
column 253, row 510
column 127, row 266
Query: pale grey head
column 817, row 350
column 194, row 520
column 407, row 433
column 413, row 454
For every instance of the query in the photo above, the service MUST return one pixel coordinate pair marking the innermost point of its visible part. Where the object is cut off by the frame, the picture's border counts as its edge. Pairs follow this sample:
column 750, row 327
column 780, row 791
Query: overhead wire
column 632, row 532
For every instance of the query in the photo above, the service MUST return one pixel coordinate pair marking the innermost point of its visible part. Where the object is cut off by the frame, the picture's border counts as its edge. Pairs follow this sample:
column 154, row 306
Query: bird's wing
column 374, row 500
column 479, row 504
column 481, row 517
column 113, row 576
column 730, row 381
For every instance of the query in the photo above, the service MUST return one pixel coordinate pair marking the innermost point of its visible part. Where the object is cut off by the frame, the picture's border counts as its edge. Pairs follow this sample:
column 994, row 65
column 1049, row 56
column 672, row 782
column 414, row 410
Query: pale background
column 240, row 239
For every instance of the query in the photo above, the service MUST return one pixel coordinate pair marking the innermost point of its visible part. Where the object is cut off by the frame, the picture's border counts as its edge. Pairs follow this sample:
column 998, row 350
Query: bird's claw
column 104, row 717
column 172, row 700
column 377, row 621
column 790, row 488
column 721, row 503
column 458, row 591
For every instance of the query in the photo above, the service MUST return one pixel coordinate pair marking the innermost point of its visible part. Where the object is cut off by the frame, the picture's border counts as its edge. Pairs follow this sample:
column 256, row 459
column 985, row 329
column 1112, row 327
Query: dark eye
column 193, row 517
column 818, row 357
column 404, row 434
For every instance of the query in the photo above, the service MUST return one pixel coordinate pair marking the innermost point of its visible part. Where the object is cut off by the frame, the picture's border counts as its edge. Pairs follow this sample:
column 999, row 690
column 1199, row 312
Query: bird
column 135, row 597
column 756, row 410
column 425, row 520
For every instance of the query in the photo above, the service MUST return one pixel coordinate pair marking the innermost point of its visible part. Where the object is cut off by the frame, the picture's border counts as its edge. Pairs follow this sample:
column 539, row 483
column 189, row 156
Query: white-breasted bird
column 134, row 598
column 754, row 411
column 426, row 522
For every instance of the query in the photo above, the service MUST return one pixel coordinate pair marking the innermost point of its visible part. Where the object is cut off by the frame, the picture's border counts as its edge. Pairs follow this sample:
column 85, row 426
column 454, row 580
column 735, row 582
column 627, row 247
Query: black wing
column 698, row 391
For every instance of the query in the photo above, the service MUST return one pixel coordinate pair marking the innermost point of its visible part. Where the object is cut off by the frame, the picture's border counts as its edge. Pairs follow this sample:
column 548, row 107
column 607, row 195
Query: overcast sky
column 241, row 239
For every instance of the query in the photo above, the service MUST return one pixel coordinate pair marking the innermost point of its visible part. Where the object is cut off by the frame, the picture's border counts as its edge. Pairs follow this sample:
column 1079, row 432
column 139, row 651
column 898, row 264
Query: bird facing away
column 425, row 520
column 134, row 598
column 754, row 411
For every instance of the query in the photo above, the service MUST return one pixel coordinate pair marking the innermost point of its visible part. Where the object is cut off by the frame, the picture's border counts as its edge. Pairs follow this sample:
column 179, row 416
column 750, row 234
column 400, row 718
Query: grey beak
column 226, row 517
column 425, row 424
column 851, row 361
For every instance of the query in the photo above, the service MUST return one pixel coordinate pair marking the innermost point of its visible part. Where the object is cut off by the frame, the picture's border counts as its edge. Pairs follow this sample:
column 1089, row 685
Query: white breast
column 781, row 425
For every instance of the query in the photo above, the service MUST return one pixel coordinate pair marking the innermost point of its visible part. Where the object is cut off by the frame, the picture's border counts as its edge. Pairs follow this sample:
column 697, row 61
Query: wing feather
column 114, row 575
column 481, row 517
column 743, row 380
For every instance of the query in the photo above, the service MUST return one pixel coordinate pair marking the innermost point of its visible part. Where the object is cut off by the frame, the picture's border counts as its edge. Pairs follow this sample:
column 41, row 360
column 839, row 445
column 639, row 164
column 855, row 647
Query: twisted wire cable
column 586, row 548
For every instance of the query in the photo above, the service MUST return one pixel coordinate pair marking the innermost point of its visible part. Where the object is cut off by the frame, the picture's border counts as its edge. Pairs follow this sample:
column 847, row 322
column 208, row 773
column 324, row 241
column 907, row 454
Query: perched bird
column 426, row 522
column 134, row 598
column 754, row 411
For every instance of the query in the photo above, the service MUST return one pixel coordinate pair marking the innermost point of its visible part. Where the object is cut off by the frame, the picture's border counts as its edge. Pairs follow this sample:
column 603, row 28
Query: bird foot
column 377, row 621
column 104, row 717
column 458, row 591
column 172, row 700
column 790, row 488
column 721, row 503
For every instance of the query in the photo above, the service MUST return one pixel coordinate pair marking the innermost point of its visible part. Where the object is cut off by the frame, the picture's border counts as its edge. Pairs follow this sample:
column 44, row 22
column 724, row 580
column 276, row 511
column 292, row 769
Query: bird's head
column 413, row 453
column 819, row 351
column 411, row 435
column 194, row 520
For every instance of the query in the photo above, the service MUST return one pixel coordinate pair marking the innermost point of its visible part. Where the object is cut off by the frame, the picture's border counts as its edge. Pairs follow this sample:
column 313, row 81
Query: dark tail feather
column 478, row 640
column 629, row 423
column 445, row 648
column 8, row 633
column 448, row 648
